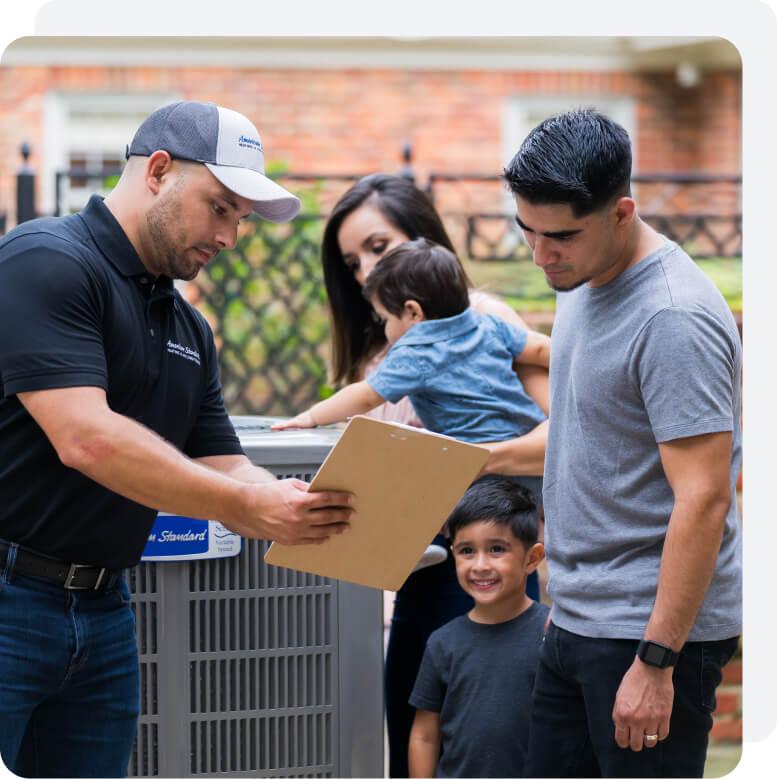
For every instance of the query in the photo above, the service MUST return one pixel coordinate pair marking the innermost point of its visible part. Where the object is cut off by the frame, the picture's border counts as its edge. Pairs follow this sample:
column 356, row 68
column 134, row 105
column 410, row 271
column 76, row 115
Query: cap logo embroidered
column 252, row 142
column 223, row 140
column 238, row 145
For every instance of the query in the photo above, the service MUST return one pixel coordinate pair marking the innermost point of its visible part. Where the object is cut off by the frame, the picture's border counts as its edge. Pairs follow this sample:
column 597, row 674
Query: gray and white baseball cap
column 226, row 142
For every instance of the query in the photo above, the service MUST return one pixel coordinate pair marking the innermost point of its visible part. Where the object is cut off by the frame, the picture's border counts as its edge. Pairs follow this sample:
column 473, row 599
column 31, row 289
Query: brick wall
column 727, row 726
column 356, row 120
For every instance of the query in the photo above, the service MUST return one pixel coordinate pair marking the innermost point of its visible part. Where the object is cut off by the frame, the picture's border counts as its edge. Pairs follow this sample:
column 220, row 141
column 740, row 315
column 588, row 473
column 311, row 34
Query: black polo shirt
column 78, row 308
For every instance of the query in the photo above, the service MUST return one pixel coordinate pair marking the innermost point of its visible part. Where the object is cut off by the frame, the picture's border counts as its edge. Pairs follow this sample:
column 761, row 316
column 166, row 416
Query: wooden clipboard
column 405, row 481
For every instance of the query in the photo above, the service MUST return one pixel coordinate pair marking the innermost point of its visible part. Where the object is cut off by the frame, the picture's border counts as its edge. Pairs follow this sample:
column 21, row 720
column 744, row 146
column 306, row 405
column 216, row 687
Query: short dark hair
column 356, row 335
column 501, row 500
column 582, row 158
column 423, row 271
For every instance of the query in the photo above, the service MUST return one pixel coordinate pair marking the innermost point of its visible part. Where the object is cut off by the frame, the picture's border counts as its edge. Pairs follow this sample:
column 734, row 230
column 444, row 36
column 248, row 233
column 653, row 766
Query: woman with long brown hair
column 376, row 214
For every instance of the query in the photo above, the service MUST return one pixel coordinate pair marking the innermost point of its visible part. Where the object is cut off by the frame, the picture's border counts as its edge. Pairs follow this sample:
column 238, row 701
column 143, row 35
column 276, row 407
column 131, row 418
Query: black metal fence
column 700, row 212
column 265, row 298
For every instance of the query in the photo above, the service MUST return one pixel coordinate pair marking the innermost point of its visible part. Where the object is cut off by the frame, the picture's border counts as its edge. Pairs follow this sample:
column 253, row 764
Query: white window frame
column 57, row 134
column 522, row 113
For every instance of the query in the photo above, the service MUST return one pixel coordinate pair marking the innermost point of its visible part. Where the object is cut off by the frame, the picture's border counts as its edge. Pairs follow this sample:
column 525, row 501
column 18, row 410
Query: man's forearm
column 523, row 456
column 239, row 467
column 131, row 460
column 134, row 462
column 688, row 561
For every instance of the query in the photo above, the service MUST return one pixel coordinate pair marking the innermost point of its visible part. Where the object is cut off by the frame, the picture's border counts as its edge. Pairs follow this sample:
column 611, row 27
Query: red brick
column 732, row 672
column 727, row 730
column 355, row 120
column 728, row 702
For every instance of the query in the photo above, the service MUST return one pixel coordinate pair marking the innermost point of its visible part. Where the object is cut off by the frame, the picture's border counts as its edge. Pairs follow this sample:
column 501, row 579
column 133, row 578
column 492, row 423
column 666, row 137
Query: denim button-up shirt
column 458, row 373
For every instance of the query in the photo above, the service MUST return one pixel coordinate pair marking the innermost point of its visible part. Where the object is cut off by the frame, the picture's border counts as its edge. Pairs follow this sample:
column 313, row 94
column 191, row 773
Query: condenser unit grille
column 238, row 667
column 249, row 622
column 144, row 760
column 250, row 670
column 281, row 745
column 261, row 683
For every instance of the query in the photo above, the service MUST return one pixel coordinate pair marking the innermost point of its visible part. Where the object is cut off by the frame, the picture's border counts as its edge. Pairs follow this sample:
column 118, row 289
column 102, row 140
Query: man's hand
column 305, row 419
column 286, row 512
column 643, row 706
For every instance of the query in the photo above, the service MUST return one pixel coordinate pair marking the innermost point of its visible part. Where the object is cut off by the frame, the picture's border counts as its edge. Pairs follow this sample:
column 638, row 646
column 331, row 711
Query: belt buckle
column 71, row 574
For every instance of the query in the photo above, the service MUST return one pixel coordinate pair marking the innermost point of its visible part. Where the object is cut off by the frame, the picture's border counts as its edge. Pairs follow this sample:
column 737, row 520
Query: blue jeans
column 69, row 682
column 572, row 732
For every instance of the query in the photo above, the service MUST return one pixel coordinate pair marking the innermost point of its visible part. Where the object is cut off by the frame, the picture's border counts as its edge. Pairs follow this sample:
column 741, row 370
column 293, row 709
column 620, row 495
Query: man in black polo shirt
column 111, row 409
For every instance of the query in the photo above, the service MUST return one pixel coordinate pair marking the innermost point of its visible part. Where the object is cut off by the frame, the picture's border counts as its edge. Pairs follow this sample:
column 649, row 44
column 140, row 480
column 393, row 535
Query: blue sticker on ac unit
column 176, row 536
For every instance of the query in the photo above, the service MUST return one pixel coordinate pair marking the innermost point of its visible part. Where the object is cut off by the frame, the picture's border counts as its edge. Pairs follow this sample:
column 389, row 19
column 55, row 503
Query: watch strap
column 657, row 655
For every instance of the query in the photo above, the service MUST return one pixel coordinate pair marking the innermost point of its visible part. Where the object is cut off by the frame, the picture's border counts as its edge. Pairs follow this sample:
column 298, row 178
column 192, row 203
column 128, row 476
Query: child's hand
column 301, row 420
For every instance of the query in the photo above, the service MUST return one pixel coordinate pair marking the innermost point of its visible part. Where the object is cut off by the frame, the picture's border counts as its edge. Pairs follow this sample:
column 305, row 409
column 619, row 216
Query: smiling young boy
column 473, row 691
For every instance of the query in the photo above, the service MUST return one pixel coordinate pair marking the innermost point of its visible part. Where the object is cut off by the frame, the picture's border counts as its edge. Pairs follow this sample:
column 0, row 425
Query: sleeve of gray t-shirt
column 684, row 364
column 429, row 689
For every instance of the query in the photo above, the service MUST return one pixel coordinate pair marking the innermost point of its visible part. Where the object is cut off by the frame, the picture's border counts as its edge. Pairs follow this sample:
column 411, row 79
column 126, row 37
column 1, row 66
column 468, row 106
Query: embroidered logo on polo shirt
column 183, row 351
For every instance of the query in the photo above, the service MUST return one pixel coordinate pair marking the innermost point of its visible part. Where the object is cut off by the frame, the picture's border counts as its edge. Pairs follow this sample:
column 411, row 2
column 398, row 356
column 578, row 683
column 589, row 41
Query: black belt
column 72, row 576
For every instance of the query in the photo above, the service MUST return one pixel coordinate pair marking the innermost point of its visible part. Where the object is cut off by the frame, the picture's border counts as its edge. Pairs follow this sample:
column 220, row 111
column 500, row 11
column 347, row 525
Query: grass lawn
column 721, row 760
column 523, row 285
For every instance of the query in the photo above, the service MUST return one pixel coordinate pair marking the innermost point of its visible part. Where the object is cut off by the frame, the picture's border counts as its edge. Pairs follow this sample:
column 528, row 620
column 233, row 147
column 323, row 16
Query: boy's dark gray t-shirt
column 480, row 679
column 651, row 357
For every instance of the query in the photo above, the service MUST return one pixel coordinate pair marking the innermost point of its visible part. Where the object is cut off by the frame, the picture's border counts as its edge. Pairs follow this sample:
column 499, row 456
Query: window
column 87, row 133
column 523, row 113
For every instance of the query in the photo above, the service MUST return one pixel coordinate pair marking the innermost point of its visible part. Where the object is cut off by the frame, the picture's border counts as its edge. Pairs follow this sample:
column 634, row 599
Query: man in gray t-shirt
column 644, row 451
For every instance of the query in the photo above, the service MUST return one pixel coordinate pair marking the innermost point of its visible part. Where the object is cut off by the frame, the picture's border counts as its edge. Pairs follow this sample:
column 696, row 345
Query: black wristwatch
column 656, row 654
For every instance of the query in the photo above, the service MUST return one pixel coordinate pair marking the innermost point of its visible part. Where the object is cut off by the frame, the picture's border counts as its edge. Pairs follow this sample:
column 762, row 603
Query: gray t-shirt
column 652, row 356
column 480, row 679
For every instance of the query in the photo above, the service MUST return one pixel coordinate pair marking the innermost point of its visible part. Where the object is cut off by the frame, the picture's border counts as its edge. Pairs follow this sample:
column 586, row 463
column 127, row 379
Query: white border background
column 749, row 24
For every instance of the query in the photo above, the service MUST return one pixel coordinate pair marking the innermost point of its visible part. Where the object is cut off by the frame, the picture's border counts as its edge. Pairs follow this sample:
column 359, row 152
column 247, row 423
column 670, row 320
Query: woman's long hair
column 356, row 336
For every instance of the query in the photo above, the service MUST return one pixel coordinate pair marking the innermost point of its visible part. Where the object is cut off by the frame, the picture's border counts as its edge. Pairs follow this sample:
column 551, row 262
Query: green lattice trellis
column 266, row 302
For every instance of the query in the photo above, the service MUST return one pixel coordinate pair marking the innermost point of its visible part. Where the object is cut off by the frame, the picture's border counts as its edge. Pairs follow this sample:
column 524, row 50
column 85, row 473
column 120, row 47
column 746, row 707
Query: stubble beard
column 168, row 242
column 566, row 287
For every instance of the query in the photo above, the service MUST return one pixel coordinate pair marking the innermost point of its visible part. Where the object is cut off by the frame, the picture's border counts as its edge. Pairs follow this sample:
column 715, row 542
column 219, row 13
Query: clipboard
column 405, row 482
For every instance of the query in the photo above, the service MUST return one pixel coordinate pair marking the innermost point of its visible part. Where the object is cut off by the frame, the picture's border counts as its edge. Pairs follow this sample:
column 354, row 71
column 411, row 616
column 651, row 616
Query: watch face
column 654, row 655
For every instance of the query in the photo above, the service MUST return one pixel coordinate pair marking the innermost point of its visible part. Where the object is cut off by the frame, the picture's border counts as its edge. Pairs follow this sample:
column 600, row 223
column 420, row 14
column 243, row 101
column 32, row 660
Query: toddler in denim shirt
column 456, row 366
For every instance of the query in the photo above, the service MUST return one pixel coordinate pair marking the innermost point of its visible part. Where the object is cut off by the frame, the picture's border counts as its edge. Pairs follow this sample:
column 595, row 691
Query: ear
column 412, row 308
column 624, row 211
column 158, row 165
column 534, row 557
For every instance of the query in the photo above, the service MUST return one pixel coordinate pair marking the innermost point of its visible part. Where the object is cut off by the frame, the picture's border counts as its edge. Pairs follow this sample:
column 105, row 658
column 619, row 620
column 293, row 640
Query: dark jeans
column 429, row 599
column 572, row 732
column 69, row 689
